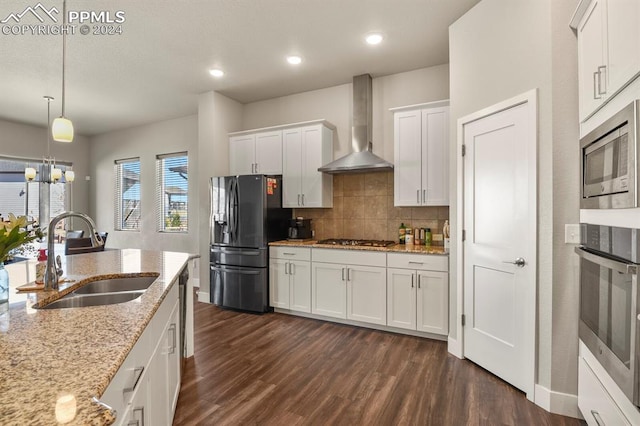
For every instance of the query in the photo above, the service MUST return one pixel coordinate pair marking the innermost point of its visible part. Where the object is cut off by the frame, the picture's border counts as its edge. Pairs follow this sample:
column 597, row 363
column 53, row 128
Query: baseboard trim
column 204, row 297
column 455, row 347
column 565, row 404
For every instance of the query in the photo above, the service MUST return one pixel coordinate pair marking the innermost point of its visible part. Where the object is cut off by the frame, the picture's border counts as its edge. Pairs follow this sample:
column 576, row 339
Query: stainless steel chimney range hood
column 361, row 159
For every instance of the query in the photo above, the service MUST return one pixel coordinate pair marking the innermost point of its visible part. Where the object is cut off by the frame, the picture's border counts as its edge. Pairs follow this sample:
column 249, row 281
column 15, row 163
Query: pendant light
column 62, row 128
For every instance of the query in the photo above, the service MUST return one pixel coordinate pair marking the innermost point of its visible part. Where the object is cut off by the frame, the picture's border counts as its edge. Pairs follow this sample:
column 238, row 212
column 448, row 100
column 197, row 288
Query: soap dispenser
column 41, row 266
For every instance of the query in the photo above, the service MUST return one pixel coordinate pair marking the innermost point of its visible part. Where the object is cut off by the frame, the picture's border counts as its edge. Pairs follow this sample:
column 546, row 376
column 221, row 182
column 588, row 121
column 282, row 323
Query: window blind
column 172, row 172
column 127, row 202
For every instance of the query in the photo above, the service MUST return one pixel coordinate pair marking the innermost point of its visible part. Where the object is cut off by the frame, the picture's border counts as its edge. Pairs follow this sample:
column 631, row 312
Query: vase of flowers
column 15, row 235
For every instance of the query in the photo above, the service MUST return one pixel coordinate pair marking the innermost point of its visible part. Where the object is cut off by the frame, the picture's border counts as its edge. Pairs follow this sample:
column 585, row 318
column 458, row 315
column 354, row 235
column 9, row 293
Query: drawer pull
column 289, row 254
column 597, row 417
column 411, row 262
column 137, row 372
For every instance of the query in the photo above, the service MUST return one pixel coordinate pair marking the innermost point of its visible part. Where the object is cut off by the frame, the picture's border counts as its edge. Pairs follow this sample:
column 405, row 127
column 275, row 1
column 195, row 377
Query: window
column 127, row 203
column 172, row 197
column 20, row 197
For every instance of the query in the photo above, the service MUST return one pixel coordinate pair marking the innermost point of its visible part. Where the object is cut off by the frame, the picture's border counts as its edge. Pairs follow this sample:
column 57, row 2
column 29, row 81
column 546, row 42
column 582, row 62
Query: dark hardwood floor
column 278, row 369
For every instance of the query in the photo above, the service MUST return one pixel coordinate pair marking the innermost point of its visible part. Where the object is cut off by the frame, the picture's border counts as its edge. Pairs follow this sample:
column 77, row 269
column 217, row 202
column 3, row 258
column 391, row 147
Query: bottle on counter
column 428, row 237
column 41, row 266
column 408, row 238
column 402, row 231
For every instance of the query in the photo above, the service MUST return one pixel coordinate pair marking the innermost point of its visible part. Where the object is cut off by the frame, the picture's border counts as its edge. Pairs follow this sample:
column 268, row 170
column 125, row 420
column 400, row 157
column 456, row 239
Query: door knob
column 519, row 262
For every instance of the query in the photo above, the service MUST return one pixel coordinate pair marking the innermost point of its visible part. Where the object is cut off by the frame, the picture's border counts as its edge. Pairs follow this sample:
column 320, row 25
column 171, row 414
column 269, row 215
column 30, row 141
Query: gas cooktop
column 360, row 243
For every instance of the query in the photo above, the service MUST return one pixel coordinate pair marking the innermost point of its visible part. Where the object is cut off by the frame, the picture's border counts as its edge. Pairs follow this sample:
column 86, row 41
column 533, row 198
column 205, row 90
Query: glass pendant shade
column 56, row 174
column 29, row 174
column 62, row 130
column 69, row 176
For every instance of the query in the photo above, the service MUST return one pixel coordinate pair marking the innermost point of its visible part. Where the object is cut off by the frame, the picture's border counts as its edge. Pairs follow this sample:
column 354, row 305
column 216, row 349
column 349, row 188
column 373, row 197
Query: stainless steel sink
column 78, row 301
column 114, row 285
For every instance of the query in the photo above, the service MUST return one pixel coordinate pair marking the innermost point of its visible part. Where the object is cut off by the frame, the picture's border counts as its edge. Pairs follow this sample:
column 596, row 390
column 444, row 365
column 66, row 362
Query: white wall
column 217, row 116
column 498, row 50
column 145, row 142
column 25, row 141
column 335, row 105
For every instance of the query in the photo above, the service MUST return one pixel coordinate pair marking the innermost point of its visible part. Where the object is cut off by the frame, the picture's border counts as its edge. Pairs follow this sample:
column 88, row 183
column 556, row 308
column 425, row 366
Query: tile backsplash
column 363, row 209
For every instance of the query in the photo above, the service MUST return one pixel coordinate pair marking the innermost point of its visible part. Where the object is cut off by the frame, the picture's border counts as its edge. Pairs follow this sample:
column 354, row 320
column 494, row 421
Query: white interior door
column 500, row 244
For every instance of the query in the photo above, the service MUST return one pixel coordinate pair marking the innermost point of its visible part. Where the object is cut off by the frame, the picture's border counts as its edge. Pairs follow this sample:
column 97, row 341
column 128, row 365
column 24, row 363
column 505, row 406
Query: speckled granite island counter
column 74, row 351
column 397, row 248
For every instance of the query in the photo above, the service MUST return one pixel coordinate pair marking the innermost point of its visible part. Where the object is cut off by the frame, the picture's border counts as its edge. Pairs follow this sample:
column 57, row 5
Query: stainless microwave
column 609, row 162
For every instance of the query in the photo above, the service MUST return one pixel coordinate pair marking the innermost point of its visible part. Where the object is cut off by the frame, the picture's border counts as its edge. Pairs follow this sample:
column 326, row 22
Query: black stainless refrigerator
column 246, row 214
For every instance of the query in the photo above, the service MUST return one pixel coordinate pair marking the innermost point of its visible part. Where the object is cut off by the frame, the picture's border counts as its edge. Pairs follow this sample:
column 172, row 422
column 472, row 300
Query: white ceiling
column 158, row 66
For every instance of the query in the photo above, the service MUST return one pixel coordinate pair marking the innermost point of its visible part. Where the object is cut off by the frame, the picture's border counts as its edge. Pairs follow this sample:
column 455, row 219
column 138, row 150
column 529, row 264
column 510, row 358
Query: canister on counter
column 427, row 237
column 408, row 238
column 418, row 236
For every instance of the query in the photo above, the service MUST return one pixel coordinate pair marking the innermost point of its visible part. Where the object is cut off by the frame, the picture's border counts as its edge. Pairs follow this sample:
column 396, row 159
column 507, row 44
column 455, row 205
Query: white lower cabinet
column 144, row 390
column 595, row 403
column 290, row 278
column 418, row 298
column 355, row 290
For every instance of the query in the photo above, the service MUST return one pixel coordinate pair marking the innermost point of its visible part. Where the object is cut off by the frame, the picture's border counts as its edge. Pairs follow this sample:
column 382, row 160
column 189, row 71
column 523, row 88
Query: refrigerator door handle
column 218, row 268
column 235, row 251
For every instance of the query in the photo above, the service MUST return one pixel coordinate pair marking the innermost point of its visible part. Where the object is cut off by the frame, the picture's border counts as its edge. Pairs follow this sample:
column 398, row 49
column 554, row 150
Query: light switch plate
column 572, row 233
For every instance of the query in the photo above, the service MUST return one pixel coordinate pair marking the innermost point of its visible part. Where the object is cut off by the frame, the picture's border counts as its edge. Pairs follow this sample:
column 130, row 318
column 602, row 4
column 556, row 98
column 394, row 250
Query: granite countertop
column 47, row 354
column 397, row 248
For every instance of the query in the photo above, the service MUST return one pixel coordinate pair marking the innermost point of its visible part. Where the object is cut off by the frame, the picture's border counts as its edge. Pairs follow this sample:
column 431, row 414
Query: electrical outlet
column 572, row 233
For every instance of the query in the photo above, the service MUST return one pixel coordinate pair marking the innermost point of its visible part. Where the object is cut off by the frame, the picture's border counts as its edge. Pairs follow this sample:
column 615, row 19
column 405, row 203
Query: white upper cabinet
column 608, row 50
column 305, row 150
column 257, row 153
column 421, row 154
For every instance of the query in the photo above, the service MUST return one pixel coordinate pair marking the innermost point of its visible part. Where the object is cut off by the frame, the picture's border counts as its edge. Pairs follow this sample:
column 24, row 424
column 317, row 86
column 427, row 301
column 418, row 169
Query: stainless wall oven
column 609, row 307
column 609, row 162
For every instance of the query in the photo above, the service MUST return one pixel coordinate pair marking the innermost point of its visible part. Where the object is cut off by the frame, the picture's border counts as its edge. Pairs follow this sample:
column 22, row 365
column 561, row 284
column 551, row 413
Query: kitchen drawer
column 595, row 403
column 350, row 257
column 420, row 262
column 292, row 253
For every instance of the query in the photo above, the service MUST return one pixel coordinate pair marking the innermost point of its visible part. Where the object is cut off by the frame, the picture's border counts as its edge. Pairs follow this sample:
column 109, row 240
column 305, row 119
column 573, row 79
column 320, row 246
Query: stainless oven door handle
column 625, row 268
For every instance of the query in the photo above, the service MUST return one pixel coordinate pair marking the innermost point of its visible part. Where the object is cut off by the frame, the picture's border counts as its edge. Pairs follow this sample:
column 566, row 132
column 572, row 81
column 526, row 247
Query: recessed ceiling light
column 216, row 72
column 374, row 38
column 294, row 60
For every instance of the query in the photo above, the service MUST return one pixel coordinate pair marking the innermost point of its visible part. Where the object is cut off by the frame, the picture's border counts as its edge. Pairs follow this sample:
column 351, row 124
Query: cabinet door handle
column 418, row 280
column 602, row 69
column 172, row 329
column 292, row 269
column 298, row 199
column 418, row 196
column 342, row 274
column 348, row 274
column 412, row 279
column 141, row 410
column 256, row 167
column 597, row 417
column 285, row 268
column 596, row 90
column 424, row 195
column 303, row 199
column 137, row 373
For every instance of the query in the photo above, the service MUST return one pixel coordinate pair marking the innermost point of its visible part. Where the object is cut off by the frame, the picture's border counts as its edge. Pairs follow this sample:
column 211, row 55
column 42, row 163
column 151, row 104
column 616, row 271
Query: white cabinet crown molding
column 322, row 121
column 434, row 104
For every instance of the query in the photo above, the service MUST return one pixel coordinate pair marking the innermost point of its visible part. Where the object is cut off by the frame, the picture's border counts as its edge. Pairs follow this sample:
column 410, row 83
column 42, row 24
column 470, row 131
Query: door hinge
column 464, row 235
column 464, row 321
column 464, row 150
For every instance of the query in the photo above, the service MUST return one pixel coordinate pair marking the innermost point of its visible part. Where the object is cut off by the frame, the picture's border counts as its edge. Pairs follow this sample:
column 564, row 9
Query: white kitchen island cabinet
column 145, row 388
column 418, row 293
column 305, row 149
column 421, row 155
column 290, row 278
column 255, row 153
column 349, row 284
